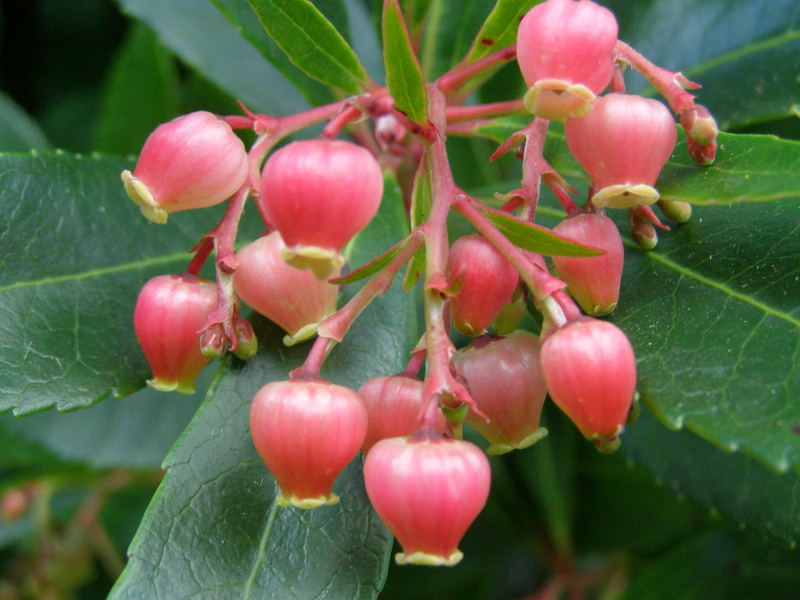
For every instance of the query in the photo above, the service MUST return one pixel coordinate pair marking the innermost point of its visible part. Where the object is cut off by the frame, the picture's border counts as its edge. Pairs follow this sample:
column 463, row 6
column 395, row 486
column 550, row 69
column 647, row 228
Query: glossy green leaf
column 729, row 484
column 213, row 508
column 75, row 252
column 714, row 317
column 403, row 73
column 500, row 28
column 197, row 32
column 743, row 52
column 718, row 565
column 748, row 168
column 312, row 43
column 18, row 131
column 142, row 93
column 534, row 238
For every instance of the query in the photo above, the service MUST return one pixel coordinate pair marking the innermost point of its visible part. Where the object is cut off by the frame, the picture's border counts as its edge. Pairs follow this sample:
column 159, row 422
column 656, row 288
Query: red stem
column 460, row 75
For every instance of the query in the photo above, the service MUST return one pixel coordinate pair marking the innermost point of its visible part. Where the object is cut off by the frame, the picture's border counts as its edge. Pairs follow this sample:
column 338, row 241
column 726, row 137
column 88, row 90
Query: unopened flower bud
column 170, row 312
column 677, row 210
column 593, row 281
column 306, row 432
column 319, row 194
column 703, row 155
column 294, row 299
column 623, row 144
column 590, row 371
column 194, row 161
column 564, row 50
column 700, row 125
column 485, row 282
column 428, row 492
column 642, row 230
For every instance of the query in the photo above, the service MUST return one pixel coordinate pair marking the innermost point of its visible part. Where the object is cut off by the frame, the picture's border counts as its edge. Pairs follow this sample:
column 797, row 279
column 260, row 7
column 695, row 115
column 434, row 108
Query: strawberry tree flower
column 623, row 144
column 194, row 161
column 565, row 52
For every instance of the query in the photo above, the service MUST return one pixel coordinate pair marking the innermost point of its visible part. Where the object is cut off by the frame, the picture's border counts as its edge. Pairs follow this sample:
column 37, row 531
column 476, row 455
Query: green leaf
column 500, row 28
column 535, row 238
column 729, row 484
column 743, row 52
column 717, row 565
column 748, row 168
column 18, row 131
column 201, row 36
column 75, row 252
column 714, row 317
column 142, row 93
column 403, row 73
column 134, row 432
column 312, row 43
column 213, row 509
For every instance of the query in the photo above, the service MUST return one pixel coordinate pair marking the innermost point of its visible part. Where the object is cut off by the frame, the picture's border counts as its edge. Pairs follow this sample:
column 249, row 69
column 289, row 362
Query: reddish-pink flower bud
column 484, row 281
column 564, row 50
column 623, row 144
column 394, row 405
column 170, row 312
column 700, row 125
column 319, row 194
column 593, row 281
column 294, row 299
column 505, row 380
column 194, row 161
column 306, row 432
column 427, row 492
column 590, row 372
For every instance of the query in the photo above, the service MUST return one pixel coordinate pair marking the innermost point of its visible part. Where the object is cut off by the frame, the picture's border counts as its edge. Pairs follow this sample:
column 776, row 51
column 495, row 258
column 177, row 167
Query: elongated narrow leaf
column 18, row 131
column 74, row 252
column 201, row 36
column 714, row 316
column 373, row 266
column 213, row 509
column 748, row 168
column 403, row 73
column 535, row 238
column 500, row 28
column 312, row 43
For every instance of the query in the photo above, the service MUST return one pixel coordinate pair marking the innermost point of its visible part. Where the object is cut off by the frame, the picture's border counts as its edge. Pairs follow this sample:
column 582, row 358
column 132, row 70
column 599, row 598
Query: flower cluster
column 315, row 196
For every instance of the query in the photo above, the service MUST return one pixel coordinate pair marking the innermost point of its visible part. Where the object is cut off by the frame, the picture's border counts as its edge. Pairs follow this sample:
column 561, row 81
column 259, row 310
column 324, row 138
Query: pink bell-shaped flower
column 427, row 491
column 590, row 371
column 484, row 280
column 170, row 312
column 564, row 50
column 306, row 432
column 194, row 161
column 293, row 298
column 593, row 281
column 319, row 194
column 623, row 144
column 394, row 405
column 505, row 380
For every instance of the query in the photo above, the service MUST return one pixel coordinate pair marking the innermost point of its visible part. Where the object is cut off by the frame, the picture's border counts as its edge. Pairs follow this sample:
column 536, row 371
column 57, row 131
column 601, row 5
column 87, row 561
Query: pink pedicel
column 484, row 283
column 565, row 52
column 170, row 312
column 590, row 371
column 505, row 379
column 427, row 491
column 292, row 298
column 623, row 144
column 319, row 194
column 306, row 432
column 593, row 281
column 394, row 405
column 194, row 161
